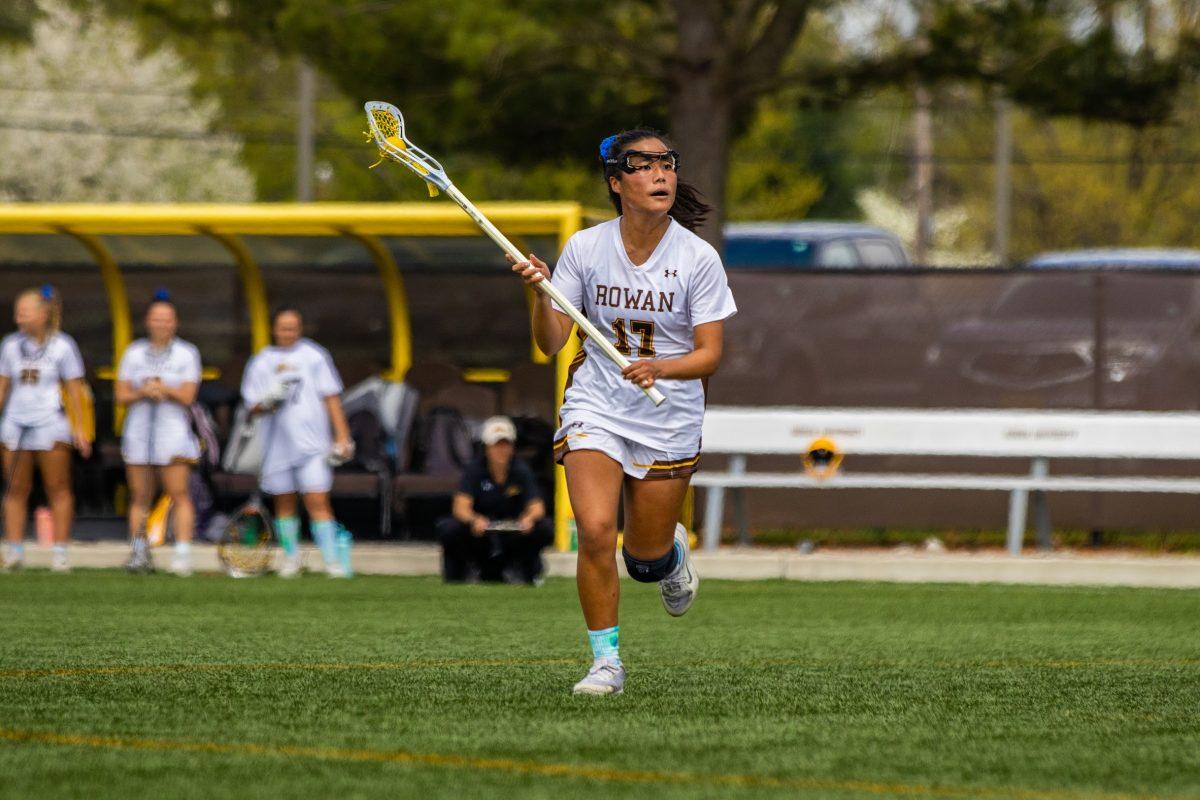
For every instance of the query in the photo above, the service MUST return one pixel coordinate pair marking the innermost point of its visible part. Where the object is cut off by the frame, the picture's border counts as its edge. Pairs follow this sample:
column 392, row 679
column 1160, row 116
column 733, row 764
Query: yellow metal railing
column 364, row 222
column 397, row 302
column 252, row 285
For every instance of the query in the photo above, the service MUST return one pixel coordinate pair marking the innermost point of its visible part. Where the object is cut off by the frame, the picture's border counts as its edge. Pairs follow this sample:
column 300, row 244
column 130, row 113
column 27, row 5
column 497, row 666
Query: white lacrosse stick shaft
column 548, row 288
column 432, row 172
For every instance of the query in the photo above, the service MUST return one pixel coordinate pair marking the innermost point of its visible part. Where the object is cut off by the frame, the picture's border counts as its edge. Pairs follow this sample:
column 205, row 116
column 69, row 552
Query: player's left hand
column 643, row 373
column 343, row 451
column 526, row 524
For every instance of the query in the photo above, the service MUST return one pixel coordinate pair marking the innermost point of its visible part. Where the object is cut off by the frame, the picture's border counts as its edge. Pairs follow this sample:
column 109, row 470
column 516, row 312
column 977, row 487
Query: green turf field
column 115, row 686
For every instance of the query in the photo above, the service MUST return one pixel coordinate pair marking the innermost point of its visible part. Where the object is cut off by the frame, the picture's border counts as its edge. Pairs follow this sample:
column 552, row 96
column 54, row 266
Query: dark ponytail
column 688, row 209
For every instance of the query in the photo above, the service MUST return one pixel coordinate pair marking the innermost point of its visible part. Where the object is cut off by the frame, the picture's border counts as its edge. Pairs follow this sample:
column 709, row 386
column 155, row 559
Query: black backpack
column 370, row 442
column 443, row 443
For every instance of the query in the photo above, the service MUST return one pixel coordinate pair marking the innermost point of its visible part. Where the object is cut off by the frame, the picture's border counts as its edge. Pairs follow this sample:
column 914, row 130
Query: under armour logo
column 670, row 273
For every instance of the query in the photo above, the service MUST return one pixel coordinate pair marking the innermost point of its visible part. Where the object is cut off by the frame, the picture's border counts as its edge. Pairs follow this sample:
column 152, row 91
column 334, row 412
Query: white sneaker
column 59, row 563
column 678, row 589
column 605, row 677
column 181, row 565
column 290, row 568
column 336, row 571
column 13, row 562
column 139, row 559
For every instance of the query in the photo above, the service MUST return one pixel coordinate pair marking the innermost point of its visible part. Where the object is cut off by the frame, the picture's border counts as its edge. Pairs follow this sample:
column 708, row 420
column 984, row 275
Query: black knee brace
column 651, row 571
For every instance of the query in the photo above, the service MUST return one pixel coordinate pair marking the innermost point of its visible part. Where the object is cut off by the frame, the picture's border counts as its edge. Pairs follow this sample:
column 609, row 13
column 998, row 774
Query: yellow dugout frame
column 364, row 223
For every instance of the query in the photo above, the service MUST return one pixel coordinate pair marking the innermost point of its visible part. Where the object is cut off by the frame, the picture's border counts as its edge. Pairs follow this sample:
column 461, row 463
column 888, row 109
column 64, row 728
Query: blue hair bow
column 47, row 291
column 606, row 145
column 162, row 296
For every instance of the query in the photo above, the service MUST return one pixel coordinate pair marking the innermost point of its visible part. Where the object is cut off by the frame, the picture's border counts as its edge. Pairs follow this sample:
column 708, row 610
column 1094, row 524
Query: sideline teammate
column 295, row 384
column 158, row 380
column 661, row 291
column 38, row 365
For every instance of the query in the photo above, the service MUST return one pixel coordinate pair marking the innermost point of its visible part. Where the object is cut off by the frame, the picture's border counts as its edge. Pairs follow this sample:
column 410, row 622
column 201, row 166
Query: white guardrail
column 1036, row 435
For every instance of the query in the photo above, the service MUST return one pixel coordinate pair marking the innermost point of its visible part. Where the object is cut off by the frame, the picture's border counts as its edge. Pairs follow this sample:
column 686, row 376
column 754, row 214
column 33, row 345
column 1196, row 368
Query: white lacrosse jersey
column 174, row 365
column 646, row 311
column 301, row 425
column 36, row 373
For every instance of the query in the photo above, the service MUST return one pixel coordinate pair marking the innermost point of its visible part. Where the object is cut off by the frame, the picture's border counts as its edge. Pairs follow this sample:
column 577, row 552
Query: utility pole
column 923, row 151
column 923, row 173
column 306, row 108
column 1003, row 170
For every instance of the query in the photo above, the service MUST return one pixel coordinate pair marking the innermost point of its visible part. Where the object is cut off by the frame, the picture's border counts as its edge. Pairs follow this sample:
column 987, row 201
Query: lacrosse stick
column 245, row 548
column 387, row 130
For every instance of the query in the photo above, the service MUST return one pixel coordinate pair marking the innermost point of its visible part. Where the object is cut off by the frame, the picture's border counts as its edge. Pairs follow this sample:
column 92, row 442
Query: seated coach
column 498, row 523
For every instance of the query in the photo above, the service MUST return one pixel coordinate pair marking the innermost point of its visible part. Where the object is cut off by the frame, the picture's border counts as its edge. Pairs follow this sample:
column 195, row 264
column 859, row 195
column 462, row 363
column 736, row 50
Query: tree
column 534, row 81
column 134, row 134
column 16, row 20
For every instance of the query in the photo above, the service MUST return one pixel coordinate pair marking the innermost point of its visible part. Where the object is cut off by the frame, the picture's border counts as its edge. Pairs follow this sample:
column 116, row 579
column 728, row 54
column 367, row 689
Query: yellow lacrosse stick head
column 387, row 131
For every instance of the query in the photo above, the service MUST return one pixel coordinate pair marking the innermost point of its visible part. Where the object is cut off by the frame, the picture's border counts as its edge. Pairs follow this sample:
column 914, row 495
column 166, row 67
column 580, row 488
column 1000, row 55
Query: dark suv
column 811, row 245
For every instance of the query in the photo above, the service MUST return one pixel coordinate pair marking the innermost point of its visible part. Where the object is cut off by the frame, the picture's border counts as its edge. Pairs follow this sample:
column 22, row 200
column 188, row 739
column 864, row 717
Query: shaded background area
column 1028, row 338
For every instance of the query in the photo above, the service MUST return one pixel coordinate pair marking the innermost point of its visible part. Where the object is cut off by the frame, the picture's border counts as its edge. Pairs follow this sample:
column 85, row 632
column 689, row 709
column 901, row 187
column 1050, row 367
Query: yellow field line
column 544, row 769
column 138, row 669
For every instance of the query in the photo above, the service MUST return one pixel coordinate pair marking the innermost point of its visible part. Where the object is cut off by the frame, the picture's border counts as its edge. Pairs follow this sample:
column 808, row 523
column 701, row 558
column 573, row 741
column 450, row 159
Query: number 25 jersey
column 648, row 311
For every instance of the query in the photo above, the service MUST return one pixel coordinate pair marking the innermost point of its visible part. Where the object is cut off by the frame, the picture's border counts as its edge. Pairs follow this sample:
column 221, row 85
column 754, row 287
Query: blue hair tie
column 606, row 145
column 162, row 296
column 47, row 291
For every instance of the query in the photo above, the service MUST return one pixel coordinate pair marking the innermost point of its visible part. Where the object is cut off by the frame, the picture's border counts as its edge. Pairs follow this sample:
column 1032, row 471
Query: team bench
column 815, row 435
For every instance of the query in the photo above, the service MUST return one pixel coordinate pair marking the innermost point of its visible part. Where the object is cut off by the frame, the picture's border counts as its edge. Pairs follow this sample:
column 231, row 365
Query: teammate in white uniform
column 296, row 388
column 157, row 381
column 660, row 292
column 37, row 364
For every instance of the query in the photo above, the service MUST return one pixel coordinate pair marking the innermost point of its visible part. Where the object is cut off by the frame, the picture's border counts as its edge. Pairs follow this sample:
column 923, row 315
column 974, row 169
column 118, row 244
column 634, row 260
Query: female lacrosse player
column 297, row 390
column 662, row 292
column 37, row 363
column 158, row 380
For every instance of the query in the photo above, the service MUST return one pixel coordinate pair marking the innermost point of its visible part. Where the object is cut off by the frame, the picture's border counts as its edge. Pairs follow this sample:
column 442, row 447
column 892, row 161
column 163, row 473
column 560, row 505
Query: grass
column 112, row 686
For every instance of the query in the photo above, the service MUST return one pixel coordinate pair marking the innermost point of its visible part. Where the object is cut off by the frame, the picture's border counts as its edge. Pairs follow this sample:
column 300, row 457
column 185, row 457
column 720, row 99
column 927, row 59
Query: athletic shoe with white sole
column 678, row 589
column 13, row 563
column 139, row 558
column 605, row 677
column 290, row 568
column 181, row 565
column 58, row 561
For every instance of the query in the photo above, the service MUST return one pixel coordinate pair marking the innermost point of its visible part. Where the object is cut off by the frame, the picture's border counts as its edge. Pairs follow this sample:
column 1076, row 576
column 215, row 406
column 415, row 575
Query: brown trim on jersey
column 665, row 470
column 561, row 448
column 574, row 366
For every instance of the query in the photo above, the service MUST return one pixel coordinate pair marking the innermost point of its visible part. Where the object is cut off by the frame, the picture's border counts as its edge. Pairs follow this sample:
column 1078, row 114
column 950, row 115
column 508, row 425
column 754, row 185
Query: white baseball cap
column 498, row 429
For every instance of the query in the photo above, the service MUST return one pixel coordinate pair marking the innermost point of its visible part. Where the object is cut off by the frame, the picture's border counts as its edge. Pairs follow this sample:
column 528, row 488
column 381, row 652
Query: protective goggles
column 640, row 160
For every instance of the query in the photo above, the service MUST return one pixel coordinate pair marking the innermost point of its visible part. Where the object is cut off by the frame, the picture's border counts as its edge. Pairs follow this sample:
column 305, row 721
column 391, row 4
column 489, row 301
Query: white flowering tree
column 952, row 245
column 87, row 114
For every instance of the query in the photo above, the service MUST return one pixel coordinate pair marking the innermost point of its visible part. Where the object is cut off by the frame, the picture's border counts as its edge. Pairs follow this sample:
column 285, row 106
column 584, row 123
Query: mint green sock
column 605, row 644
column 324, row 533
column 288, row 529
